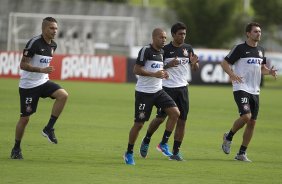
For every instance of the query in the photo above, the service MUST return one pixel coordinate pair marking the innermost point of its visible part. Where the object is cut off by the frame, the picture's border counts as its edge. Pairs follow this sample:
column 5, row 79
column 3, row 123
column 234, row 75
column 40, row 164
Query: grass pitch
column 93, row 134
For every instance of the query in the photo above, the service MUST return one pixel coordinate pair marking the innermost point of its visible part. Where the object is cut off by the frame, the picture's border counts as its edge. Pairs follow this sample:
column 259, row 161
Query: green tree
column 268, row 12
column 269, row 16
column 210, row 23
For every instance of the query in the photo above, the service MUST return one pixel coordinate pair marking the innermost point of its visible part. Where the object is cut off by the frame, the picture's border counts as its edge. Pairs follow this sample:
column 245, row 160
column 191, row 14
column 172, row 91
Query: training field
column 93, row 132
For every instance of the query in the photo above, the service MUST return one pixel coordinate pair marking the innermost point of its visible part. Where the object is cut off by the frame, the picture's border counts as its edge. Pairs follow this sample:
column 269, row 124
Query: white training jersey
column 178, row 76
column 247, row 62
column 41, row 54
column 152, row 61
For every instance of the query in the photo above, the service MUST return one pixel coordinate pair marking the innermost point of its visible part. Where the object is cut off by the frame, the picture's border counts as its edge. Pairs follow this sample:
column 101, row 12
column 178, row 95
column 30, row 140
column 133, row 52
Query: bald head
column 157, row 31
column 159, row 38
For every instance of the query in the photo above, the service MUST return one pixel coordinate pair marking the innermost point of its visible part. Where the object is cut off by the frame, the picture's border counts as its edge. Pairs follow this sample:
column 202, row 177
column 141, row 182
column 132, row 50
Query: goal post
column 78, row 34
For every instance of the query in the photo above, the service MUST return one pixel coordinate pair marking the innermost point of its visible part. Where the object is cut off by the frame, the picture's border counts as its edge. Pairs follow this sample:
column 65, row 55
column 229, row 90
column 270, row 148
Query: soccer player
column 34, row 83
column 178, row 57
column 149, row 92
column 248, row 63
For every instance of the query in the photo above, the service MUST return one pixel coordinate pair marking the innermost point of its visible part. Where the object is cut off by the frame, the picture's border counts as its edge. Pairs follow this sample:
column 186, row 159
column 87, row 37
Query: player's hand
column 273, row 72
column 236, row 78
column 173, row 63
column 161, row 74
column 166, row 76
column 48, row 69
column 194, row 59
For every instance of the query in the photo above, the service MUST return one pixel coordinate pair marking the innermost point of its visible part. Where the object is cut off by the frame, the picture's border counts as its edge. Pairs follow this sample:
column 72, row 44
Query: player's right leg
column 16, row 151
column 133, row 134
column 143, row 108
column 228, row 136
column 242, row 100
column 28, row 101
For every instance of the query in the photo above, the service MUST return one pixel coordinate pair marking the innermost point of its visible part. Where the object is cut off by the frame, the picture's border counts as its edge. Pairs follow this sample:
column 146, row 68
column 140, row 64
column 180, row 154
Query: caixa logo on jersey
column 156, row 65
column 254, row 61
column 45, row 60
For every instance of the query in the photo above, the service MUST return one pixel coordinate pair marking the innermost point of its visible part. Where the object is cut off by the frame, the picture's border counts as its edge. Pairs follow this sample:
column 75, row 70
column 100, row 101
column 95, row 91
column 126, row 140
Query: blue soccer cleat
column 164, row 148
column 144, row 149
column 128, row 158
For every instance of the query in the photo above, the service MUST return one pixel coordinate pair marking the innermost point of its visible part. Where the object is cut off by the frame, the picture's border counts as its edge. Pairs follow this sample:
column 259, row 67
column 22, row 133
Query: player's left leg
column 60, row 96
column 167, row 104
column 154, row 125
column 249, row 129
column 173, row 114
column 247, row 136
column 181, row 98
column 178, row 138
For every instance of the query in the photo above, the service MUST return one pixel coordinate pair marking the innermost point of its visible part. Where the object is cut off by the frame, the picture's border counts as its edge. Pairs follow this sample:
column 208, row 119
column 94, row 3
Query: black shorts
column 247, row 103
column 29, row 97
column 181, row 97
column 144, row 103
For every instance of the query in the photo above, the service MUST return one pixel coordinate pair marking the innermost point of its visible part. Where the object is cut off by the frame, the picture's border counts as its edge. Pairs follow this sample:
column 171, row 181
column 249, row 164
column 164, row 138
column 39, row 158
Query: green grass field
column 93, row 134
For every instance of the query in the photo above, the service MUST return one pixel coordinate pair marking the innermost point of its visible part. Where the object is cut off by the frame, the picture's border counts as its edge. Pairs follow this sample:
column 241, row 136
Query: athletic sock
column 147, row 138
column 176, row 146
column 229, row 136
column 242, row 150
column 130, row 148
column 51, row 122
column 165, row 137
column 17, row 144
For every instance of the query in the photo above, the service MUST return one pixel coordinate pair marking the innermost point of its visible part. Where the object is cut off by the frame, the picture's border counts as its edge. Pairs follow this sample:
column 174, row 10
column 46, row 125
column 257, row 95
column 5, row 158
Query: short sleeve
column 234, row 55
column 29, row 49
column 141, row 59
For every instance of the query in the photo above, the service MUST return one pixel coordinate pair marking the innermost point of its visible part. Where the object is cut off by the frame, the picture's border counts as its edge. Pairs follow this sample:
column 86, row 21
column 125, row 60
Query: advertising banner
column 72, row 67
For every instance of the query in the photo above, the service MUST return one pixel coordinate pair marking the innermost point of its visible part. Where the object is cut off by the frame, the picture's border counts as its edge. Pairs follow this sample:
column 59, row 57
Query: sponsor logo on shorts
column 246, row 107
column 28, row 108
column 141, row 115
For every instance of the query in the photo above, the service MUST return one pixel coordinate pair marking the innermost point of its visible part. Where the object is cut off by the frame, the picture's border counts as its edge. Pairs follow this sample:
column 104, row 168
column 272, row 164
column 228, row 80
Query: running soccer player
column 248, row 63
column 179, row 57
column 149, row 92
column 34, row 83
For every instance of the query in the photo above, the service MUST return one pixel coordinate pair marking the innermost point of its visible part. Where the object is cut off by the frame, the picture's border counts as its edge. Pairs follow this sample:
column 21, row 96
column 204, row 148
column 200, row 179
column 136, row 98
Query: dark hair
column 50, row 19
column 250, row 26
column 177, row 26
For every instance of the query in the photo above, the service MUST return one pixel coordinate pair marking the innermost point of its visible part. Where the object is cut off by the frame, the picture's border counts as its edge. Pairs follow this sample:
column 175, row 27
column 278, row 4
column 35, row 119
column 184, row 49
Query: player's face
column 50, row 30
column 160, row 40
column 255, row 34
column 179, row 36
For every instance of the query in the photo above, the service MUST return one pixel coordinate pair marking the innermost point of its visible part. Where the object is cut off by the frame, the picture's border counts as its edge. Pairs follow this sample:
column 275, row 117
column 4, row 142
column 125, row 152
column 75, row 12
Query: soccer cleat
column 164, row 148
column 128, row 158
column 242, row 157
column 226, row 144
column 50, row 135
column 176, row 157
column 144, row 149
column 16, row 154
